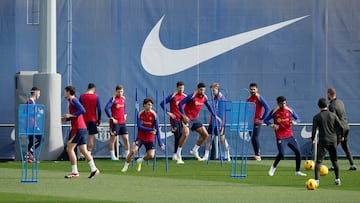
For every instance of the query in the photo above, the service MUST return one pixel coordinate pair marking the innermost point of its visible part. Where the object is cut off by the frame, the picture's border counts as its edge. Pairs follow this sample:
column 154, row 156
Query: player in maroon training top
column 148, row 126
column 78, row 134
column 115, row 110
column 174, row 113
column 284, row 117
column 91, row 102
column 262, row 109
column 193, row 104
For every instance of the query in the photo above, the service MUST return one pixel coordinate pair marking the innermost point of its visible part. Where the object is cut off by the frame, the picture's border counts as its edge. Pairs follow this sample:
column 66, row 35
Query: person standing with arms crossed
column 220, row 112
column 34, row 95
column 262, row 109
column 115, row 110
column 174, row 113
column 193, row 104
column 91, row 102
column 78, row 134
column 337, row 106
column 284, row 117
column 148, row 127
column 329, row 125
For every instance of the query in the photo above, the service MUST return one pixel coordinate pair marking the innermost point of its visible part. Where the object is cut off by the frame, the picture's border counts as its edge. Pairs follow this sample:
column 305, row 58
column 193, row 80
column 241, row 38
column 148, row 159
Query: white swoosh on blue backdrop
column 161, row 61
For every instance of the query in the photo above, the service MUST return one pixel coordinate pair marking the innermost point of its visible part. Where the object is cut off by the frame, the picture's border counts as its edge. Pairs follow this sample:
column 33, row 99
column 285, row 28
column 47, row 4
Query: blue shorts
column 92, row 127
column 148, row 145
column 80, row 136
column 210, row 130
column 195, row 124
column 119, row 129
column 177, row 125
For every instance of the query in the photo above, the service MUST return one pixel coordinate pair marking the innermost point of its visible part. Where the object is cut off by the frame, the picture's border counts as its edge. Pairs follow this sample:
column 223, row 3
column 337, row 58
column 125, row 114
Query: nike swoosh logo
column 307, row 134
column 161, row 61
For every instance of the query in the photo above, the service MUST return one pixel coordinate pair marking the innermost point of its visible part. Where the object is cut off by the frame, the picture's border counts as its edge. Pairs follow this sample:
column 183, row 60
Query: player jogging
column 78, row 134
column 174, row 113
column 193, row 104
column 148, row 126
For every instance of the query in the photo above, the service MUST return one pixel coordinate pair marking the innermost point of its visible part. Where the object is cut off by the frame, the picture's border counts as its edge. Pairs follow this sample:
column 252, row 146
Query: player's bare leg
column 126, row 144
column 113, row 139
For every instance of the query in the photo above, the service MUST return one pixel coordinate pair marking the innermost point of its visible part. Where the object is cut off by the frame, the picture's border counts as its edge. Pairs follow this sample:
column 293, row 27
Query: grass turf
column 194, row 181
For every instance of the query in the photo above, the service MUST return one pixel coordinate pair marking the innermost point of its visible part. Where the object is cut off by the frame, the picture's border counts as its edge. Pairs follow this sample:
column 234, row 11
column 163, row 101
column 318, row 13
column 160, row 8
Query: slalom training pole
column 165, row 130
column 135, row 120
column 157, row 120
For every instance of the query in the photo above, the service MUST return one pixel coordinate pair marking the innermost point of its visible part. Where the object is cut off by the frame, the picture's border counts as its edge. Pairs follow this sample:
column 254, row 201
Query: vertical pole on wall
column 49, row 81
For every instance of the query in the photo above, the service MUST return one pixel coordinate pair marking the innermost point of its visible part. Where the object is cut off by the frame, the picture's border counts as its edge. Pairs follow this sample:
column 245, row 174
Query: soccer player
column 174, row 113
column 115, row 110
column 147, row 123
column 78, row 134
column 328, row 124
column 91, row 102
column 193, row 104
column 337, row 106
column 283, row 119
column 219, row 98
column 34, row 95
column 262, row 109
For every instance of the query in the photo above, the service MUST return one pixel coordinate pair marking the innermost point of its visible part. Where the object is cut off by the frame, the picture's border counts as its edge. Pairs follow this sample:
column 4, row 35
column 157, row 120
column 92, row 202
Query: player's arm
column 108, row 107
column 269, row 117
column 98, row 107
column 80, row 108
column 266, row 107
column 167, row 100
column 295, row 116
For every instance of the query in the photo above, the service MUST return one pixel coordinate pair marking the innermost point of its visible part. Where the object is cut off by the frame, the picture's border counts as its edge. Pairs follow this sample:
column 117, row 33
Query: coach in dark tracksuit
column 328, row 124
column 337, row 106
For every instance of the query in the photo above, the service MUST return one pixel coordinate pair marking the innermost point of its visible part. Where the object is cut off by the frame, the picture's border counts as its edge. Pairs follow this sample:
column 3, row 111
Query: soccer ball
column 309, row 165
column 324, row 170
column 311, row 184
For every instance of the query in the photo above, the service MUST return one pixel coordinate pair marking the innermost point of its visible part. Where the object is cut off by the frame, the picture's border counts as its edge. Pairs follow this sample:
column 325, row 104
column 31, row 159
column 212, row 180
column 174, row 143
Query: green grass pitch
column 192, row 182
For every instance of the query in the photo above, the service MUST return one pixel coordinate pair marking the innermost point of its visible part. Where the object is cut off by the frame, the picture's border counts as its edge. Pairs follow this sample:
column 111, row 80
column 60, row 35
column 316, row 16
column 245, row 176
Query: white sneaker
column 203, row 159
column 196, row 154
column 229, row 159
column 179, row 159
column 124, row 169
column 299, row 173
column 272, row 170
column 139, row 162
column 114, row 159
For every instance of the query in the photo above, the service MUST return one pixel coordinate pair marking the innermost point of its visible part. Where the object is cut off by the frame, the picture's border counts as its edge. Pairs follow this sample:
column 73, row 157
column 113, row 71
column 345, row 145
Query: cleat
column 352, row 168
column 196, row 154
column 272, row 170
column 332, row 168
column 299, row 173
column 138, row 168
column 94, row 173
column 203, row 159
column 124, row 169
column 114, row 159
column 72, row 175
column 337, row 182
column 257, row 158
column 178, row 159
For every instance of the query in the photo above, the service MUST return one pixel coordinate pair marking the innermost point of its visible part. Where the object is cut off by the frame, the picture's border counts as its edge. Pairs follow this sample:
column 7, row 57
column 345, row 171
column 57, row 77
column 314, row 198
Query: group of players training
column 85, row 116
